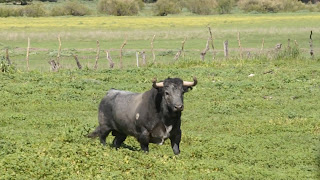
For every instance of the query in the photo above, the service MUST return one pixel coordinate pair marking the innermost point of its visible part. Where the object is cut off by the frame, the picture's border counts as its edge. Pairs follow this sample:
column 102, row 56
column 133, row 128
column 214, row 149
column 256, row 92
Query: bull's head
column 173, row 90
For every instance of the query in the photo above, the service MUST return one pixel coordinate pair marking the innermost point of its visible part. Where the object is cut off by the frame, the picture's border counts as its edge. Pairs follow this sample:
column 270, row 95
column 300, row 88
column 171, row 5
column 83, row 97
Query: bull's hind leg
column 104, row 132
column 118, row 139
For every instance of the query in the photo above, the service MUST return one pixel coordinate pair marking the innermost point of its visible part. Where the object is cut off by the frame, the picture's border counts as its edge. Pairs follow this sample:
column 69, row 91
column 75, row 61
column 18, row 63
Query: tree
column 312, row 1
column 149, row 1
column 21, row 2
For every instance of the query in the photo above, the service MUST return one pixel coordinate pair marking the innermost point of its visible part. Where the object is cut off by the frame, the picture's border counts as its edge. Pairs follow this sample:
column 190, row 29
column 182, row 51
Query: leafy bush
column 75, row 8
column 34, row 10
column 265, row 6
column 6, row 12
column 119, row 7
column 72, row 8
column 224, row 6
column 203, row 7
column 140, row 3
column 58, row 11
column 6, row 68
column 259, row 6
column 165, row 7
column 288, row 53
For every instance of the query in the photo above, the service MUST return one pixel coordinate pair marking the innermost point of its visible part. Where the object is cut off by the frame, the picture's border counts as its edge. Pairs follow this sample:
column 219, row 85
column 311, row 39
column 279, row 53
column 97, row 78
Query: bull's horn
column 157, row 85
column 188, row 83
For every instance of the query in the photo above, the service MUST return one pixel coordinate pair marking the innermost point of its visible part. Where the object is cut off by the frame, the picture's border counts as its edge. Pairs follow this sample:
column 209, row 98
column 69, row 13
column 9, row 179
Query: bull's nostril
column 179, row 107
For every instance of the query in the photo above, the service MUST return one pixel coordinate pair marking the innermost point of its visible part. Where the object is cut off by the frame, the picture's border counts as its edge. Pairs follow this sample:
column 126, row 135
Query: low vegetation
column 236, row 126
column 158, row 8
column 165, row 7
column 250, row 117
column 71, row 8
column 119, row 8
column 266, row 6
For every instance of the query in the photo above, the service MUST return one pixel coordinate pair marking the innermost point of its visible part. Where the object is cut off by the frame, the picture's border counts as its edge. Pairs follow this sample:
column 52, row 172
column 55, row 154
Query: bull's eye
column 167, row 93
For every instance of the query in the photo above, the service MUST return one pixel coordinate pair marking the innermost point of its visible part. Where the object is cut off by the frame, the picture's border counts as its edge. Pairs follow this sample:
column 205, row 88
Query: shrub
column 119, row 7
column 6, row 68
column 165, row 7
column 73, row 8
column 6, row 12
column 58, row 11
column 34, row 10
column 288, row 53
column 265, row 6
column 224, row 6
column 259, row 6
column 140, row 3
column 203, row 7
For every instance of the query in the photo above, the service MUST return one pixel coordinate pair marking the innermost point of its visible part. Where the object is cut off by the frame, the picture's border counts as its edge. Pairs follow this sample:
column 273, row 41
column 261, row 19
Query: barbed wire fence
column 240, row 53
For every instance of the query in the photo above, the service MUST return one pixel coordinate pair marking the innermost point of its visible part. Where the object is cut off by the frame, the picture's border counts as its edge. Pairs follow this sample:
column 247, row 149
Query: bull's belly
column 160, row 134
column 157, row 140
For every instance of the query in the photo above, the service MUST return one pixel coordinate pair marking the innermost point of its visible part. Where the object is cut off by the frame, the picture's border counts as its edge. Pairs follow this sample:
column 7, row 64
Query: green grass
column 234, row 126
column 79, row 35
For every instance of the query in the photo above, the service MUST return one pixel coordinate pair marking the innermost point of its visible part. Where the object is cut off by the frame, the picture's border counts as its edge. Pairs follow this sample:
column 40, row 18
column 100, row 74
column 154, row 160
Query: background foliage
column 150, row 8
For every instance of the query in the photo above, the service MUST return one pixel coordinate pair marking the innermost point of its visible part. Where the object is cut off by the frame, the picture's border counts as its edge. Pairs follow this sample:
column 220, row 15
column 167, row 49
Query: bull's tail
column 95, row 133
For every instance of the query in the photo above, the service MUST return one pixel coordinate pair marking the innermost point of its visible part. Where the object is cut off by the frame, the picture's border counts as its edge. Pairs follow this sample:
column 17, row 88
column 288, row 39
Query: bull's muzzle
column 178, row 107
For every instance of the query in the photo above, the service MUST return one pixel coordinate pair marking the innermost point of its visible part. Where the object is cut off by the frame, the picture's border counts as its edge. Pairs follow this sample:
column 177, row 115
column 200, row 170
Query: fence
column 134, row 57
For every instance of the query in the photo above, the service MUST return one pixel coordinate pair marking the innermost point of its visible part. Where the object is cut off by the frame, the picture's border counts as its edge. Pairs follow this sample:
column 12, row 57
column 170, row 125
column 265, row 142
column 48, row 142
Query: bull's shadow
column 123, row 145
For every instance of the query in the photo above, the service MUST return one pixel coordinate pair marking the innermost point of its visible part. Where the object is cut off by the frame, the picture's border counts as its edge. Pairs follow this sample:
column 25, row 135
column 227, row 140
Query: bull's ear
column 186, row 89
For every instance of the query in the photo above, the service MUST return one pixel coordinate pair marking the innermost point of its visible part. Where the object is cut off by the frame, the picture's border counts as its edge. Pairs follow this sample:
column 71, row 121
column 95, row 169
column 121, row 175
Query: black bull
column 151, row 117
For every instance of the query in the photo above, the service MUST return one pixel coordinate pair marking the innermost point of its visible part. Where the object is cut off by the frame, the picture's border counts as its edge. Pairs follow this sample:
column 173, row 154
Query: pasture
column 79, row 36
column 233, row 126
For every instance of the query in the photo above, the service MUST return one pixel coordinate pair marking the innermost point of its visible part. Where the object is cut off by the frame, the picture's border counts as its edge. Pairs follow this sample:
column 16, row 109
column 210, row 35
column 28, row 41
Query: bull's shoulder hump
column 115, row 92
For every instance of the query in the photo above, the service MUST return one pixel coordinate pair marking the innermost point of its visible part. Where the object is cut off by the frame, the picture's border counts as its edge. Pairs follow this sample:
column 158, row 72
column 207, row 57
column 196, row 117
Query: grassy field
column 79, row 35
column 233, row 126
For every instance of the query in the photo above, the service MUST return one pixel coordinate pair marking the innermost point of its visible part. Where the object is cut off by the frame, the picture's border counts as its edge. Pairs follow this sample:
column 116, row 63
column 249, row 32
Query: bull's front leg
column 144, row 139
column 175, row 141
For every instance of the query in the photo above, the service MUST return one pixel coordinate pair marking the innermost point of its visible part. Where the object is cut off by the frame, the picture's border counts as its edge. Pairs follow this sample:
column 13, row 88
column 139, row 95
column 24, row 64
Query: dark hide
column 151, row 117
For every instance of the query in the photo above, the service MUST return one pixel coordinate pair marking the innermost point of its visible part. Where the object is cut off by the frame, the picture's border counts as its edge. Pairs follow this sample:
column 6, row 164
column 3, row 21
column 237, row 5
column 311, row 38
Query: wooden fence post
column 98, row 55
column 239, row 43
column 311, row 49
column 137, row 57
column 144, row 58
column 111, row 64
column 176, row 57
column 77, row 60
column 204, row 52
column 262, row 46
column 27, row 57
column 211, row 43
column 124, row 43
column 7, row 56
column 225, row 47
column 152, row 50
column 53, row 64
column 59, row 52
